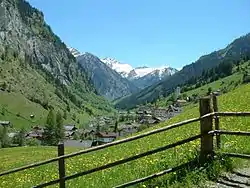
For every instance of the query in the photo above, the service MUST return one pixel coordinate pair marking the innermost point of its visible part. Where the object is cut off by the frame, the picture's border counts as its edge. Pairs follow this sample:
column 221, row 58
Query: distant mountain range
column 233, row 52
column 107, row 81
column 139, row 73
column 114, row 79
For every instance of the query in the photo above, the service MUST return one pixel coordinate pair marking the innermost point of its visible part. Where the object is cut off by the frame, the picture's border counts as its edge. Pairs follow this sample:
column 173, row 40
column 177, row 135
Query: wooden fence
column 208, row 113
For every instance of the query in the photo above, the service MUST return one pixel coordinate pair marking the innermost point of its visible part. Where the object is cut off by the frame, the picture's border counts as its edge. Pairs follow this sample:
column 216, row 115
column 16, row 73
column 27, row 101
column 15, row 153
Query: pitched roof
column 4, row 122
column 181, row 101
column 69, row 127
column 106, row 134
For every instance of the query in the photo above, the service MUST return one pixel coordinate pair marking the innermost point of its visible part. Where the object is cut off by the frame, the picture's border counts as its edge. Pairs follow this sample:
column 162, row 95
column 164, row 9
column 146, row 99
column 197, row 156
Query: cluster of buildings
column 133, row 122
column 71, row 130
column 152, row 115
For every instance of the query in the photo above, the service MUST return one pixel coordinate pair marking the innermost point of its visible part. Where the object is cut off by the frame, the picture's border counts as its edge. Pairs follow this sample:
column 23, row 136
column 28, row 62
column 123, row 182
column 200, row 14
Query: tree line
column 53, row 133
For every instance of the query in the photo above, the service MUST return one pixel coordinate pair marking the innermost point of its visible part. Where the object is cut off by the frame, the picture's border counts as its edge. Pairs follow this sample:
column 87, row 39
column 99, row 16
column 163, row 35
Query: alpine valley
column 122, row 78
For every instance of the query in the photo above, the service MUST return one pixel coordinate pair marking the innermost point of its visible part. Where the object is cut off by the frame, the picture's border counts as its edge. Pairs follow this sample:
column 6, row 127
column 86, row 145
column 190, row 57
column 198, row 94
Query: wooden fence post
column 216, row 120
column 61, row 164
column 206, row 125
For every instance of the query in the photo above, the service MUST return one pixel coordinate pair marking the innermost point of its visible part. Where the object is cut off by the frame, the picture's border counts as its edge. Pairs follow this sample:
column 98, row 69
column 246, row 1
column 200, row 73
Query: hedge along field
column 237, row 100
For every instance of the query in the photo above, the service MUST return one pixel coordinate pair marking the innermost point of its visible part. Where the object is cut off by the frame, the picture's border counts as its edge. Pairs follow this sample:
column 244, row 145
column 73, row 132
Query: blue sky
column 147, row 32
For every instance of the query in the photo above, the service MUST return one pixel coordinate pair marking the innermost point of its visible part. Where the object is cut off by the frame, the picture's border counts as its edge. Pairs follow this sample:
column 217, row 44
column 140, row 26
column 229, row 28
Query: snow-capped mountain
column 140, row 77
column 74, row 52
column 131, row 73
column 140, row 72
column 123, row 69
column 154, row 76
column 160, row 72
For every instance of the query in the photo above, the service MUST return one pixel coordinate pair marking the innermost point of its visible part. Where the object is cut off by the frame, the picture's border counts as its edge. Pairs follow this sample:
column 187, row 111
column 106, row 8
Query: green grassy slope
column 226, row 84
column 25, row 83
column 237, row 100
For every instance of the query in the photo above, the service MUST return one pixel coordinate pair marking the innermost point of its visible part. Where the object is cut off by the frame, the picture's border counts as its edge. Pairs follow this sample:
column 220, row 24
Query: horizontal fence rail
column 232, row 114
column 175, row 125
column 174, row 169
column 237, row 155
column 122, row 161
column 236, row 133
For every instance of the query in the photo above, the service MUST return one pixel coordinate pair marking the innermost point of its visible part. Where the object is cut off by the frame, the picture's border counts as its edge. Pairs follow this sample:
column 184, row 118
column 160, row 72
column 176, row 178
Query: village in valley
column 105, row 129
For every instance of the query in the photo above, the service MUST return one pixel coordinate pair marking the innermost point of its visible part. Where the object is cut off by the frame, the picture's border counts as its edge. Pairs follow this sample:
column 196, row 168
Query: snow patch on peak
column 119, row 67
column 74, row 52
column 140, row 72
column 144, row 70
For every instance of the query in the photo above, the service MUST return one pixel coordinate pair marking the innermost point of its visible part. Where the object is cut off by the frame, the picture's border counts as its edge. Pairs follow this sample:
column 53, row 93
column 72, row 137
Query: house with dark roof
column 180, row 102
column 160, row 112
column 70, row 127
column 35, row 133
column 5, row 123
column 70, row 130
column 105, row 137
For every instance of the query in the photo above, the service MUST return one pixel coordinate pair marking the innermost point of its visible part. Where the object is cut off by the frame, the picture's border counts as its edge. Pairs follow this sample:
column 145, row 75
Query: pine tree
column 49, row 136
column 20, row 138
column 116, row 126
column 4, row 138
column 209, row 91
column 59, row 130
column 51, row 118
column 65, row 114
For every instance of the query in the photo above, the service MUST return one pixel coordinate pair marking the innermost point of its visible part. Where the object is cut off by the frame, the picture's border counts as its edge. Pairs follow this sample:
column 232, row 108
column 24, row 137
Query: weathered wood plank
column 206, row 125
column 244, row 114
column 237, row 155
column 236, row 133
column 216, row 121
column 61, row 165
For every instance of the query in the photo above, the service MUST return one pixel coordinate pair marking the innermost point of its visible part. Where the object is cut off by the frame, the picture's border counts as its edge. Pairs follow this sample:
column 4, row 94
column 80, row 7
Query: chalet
column 105, row 137
column 160, row 112
column 5, row 123
column 180, row 102
column 69, row 130
column 128, row 129
column 37, row 132
column 70, row 127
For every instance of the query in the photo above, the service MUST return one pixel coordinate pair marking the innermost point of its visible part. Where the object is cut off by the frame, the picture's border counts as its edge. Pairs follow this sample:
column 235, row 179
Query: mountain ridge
column 139, row 77
column 107, row 81
column 232, row 52
column 132, row 73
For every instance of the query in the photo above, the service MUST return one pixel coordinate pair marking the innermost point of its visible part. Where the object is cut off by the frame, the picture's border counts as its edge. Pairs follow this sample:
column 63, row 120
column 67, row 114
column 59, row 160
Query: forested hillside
column 233, row 53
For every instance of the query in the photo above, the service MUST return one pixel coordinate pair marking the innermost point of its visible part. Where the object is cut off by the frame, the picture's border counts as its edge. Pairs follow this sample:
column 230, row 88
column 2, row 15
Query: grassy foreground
column 237, row 100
